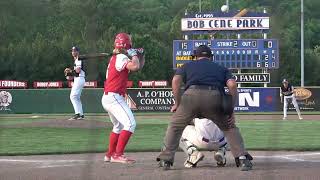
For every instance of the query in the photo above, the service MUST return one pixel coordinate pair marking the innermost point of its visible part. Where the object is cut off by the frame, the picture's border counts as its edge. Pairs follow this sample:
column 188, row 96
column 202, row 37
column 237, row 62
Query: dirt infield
column 267, row 166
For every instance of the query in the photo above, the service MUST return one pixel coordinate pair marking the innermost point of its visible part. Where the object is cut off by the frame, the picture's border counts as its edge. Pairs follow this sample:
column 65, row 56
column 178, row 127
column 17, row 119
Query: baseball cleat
column 80, row 117
column 284, row 118
column 300, row 118
column 193, row 159
column 74, row 117
column 187, row 164
column 219, row 156
column 122, row 159
column 107, row 158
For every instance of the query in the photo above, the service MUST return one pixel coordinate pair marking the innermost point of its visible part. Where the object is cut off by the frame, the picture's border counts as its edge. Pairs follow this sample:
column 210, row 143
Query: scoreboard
column 231, row 53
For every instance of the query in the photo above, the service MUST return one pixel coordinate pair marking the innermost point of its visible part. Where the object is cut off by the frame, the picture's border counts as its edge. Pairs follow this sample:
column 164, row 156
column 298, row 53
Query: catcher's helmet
column 202, row 51
column 122, row 40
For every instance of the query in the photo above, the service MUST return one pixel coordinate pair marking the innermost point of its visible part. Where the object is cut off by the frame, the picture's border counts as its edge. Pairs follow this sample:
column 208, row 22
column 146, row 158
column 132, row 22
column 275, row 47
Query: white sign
column 247, row 98
column 224, row 23
column 252, row 78
column 5, row 100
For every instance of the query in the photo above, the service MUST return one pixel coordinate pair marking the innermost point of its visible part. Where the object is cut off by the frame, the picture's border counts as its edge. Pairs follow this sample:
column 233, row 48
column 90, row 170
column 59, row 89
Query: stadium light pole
column 227, row 3
column 302, row 45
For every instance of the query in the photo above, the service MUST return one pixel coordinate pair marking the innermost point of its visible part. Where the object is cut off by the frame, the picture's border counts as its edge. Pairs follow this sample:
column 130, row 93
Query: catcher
column 205, row 135
column 77, row 74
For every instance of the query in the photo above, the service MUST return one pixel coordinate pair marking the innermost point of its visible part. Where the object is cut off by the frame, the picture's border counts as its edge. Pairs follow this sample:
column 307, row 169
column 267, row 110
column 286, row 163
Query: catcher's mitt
column 68, row 74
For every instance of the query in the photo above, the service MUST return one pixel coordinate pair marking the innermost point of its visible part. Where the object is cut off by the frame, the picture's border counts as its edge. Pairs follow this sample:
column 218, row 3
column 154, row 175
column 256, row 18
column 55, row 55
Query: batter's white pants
column 285, row 105
column 193, row 136
column 120, row 114
column 75, row 94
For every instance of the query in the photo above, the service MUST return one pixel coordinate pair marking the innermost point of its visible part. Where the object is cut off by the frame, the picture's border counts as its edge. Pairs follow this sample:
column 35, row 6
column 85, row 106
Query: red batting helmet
column 122, row 40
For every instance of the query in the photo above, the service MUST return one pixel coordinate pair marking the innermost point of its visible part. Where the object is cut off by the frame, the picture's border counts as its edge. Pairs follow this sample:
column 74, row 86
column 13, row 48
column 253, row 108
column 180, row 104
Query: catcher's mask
column 203, row 51
column 122, row 40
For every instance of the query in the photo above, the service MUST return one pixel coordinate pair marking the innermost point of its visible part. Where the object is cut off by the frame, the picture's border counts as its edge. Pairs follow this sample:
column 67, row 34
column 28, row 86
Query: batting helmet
column 284, row 81
column 122, row 40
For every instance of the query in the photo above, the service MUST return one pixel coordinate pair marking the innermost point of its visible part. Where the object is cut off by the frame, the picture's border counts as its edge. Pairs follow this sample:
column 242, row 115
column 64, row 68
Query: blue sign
column 257, row 100
column 231, row 53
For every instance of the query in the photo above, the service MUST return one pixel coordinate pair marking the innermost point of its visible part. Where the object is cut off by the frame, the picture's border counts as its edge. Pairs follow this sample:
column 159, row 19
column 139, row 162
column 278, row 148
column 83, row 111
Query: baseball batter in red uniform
column 124, row 60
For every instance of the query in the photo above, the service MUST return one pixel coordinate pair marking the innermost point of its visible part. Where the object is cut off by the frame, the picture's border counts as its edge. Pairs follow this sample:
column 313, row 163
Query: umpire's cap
column 203, row 51
column 75, row 48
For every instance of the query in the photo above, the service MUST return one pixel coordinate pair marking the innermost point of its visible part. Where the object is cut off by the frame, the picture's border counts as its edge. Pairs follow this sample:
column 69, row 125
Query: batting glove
column 132, row 52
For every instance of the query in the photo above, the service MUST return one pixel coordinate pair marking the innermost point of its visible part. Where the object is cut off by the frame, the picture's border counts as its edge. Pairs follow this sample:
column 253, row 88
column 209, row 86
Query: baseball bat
column 94, row 56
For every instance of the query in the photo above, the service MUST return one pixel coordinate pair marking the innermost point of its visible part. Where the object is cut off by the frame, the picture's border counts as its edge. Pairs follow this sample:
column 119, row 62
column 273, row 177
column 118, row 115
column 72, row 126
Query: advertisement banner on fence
column 307, row 98
column 249, row 99
column 148, row 99
column 257, row 100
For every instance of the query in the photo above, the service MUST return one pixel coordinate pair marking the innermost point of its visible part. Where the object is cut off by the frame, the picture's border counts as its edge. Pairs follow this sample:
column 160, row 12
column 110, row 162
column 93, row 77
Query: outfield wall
column 144, row 99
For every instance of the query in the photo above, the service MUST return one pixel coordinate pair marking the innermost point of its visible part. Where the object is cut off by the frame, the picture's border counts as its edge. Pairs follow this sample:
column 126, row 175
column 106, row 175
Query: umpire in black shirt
column 203, row 97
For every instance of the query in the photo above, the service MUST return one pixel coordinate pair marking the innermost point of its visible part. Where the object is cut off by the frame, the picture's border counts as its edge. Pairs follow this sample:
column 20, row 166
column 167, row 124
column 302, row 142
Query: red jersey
column 117, row 74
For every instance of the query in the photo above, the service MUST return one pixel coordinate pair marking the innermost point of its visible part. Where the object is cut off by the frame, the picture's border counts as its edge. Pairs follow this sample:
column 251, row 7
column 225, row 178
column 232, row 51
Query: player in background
column 78, row 84
column 124, row 60
column 203, row 135
column 287, row 93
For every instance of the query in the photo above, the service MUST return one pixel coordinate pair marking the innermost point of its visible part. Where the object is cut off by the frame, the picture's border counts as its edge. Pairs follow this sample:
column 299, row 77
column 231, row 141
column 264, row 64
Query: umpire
column 204, row 82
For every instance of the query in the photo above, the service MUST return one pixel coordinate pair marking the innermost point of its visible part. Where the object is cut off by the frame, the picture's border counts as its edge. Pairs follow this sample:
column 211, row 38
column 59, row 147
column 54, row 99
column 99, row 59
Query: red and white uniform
column 113, row 99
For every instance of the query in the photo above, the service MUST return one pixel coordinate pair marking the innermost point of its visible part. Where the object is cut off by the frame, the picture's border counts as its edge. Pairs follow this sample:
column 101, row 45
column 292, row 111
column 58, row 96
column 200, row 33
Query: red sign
column 52, row 84
column 153, row 83
column 4, row 84
column 160, row 83
column 87, row 84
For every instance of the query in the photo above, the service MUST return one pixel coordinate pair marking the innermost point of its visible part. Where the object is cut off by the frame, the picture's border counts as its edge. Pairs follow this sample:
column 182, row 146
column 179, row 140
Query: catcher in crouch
column 206, row 135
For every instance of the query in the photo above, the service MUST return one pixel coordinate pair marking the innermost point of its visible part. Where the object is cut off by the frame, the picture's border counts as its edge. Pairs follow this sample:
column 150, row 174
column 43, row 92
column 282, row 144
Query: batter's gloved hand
column 140, row 51
column 132, row 52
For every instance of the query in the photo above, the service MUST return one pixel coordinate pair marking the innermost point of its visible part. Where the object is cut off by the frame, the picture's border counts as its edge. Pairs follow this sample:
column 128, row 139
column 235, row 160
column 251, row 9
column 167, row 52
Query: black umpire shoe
column 244, row 162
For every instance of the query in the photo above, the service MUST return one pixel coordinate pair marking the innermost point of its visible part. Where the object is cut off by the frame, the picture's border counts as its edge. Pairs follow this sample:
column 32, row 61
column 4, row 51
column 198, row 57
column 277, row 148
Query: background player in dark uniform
column 287, row 94
column 78, row 75
column 204, row 88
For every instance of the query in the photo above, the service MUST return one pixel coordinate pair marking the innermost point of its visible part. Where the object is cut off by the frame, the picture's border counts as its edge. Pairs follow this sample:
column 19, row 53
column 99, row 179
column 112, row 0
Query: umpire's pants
column 206, row 104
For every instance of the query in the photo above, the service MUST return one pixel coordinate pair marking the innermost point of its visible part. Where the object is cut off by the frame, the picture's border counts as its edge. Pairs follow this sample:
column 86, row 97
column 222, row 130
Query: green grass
column 258, row 135
column 14, row 121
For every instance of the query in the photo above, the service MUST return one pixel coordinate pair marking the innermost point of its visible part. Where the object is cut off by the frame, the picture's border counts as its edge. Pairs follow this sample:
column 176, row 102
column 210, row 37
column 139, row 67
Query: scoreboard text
column 231, row 53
